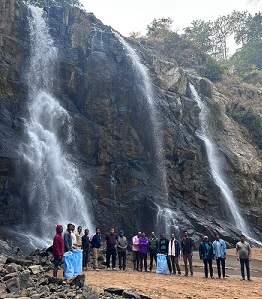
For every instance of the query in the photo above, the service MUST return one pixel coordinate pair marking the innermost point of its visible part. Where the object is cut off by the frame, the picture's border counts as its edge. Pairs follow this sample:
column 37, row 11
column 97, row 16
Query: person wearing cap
column 135, row 249
column 187, row 252
column 121, row 250
column 220, row 248
column 152, row 248
column 206, row 254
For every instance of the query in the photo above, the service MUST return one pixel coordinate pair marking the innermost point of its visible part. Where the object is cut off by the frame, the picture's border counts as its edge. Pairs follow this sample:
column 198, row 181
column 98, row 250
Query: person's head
column 172, row 236
column 121, row 233
column 69, row 227
column 162, row 236
column 112, row 231
column 205, row 238
column 73, row 228
column 86, row 232
column 143, row 234
column 185, row 234
column 139, row 234
column 98, row 231
column 242, row 238
column 59, row 228
column 79, row 229
column 153, row 235
column 217, row 237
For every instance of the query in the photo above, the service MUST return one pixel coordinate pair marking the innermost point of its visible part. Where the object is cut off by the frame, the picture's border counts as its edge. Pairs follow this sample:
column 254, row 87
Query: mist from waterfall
column 215, row 165
column 54, row 187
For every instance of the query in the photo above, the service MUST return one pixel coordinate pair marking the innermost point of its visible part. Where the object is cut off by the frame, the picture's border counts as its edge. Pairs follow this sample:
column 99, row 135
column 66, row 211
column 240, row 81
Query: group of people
column 142, row 246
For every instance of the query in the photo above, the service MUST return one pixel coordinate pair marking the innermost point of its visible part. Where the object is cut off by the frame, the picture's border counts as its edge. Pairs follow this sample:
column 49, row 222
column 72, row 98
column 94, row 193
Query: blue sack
column 68, row 264
column 77, row 261
column 161, row 264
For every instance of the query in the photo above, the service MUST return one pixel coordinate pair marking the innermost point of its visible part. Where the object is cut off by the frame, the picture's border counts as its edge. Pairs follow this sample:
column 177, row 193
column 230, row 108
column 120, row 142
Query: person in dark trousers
column 67, row 238
column 187, row 252
column 58, row 248
column 86, row 248
column 143, row 248
column 110, row 246
column 135, row 249
column 220, row 248
column 96, row 244
column 243, row 253
column 206, row 255
column 121, row 249
column 152, row 248
column 173, row 255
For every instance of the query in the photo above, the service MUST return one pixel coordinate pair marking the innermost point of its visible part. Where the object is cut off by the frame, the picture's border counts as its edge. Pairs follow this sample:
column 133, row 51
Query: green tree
column 200, row 34
column 254, row 28
column 49, row 3
column 135, row 34
column 158, row 26
column 213, row 70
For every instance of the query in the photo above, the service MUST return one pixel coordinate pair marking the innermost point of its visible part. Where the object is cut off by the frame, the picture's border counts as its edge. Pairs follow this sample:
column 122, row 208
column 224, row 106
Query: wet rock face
column 114, row 140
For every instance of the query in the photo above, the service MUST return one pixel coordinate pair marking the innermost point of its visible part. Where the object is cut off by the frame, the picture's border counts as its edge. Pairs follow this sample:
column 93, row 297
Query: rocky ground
column 31, row 277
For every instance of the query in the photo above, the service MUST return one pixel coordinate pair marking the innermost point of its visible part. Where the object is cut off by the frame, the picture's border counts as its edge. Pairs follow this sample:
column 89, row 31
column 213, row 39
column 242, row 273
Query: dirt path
column 180, row 287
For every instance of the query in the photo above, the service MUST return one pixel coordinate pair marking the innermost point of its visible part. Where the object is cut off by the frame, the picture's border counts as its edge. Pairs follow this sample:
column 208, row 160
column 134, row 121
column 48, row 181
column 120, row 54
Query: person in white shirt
column 173, row 255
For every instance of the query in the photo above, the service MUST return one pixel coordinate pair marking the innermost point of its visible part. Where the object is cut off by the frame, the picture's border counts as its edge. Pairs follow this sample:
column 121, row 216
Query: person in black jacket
column 187, row 252
column 207, row 255
column 96, row 244
column 86, row 248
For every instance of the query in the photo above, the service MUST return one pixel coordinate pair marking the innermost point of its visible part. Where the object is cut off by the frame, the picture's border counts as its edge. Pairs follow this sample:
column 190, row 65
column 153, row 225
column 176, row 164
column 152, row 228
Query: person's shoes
column 191, row 274
column 148, row 270
column 212, row 277
column 85, row 268
column 114, row 269
column 185, row 274
column 179, row 273
column 204, row 276
column 249, row 279
column 97, row 269
column 174, row 273
column 242, row 278
column 108, row 269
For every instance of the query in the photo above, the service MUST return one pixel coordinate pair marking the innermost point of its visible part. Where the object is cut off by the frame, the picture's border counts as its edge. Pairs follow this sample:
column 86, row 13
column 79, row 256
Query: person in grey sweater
column 121, row 249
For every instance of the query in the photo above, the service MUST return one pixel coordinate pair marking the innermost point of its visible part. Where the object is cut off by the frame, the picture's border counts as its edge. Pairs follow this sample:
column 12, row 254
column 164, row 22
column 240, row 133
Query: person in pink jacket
column 135, row 249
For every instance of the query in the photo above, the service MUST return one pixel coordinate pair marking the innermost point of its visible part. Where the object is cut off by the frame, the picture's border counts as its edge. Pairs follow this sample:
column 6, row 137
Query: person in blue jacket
column 220, row 249
column 96, row 244
column 206, row 254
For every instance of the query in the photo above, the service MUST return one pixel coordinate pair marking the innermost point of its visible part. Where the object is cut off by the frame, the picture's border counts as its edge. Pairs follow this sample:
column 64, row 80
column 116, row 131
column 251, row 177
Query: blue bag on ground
column 161, row 265
column 68, row 264
column 77, row 261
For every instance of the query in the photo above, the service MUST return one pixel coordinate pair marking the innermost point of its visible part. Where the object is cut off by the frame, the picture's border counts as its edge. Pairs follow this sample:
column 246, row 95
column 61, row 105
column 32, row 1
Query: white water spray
column 215, row 166
column 54, row 188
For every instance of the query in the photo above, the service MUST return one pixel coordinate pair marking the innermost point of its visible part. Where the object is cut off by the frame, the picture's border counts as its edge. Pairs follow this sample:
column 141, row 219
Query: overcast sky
column 126, row 16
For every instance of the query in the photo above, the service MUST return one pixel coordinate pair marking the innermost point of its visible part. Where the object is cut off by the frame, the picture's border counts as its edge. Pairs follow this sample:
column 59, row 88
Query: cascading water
column 215, row 165
column 146, row 89
column 53, row 190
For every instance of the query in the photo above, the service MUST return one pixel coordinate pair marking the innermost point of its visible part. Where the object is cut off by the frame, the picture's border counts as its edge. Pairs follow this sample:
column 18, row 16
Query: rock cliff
column 115, row 145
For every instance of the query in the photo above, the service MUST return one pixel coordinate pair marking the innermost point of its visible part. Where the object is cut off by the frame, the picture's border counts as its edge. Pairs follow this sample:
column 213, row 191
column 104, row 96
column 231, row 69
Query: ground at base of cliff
column 180, row 287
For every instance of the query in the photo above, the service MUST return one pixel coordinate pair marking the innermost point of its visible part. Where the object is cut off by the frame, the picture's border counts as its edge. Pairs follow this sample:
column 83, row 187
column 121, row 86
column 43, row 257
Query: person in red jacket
column 58, row 248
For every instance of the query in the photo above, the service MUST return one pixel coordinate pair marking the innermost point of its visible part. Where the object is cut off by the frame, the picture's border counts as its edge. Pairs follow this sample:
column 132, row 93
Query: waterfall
column 215, row 166
column 54, row 187
column 146, row 90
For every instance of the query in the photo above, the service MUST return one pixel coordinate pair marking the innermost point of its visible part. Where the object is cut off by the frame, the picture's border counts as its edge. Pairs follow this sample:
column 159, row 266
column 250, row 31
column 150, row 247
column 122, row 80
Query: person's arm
column 224, row 246
column 192, row 245
column 66, row 244
column 116, row 243
column 237, row 252
column 200, row 252
column 105, row 243
column 249, row 252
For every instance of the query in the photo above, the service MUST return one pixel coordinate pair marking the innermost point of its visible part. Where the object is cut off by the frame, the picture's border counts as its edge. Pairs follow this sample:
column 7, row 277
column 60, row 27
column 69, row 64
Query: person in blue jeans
column 243, row 252
column 220, row 248
column 206, row 254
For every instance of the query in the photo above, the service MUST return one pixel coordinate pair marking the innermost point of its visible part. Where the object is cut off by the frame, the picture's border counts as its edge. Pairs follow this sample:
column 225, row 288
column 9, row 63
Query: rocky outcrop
column 114, row 140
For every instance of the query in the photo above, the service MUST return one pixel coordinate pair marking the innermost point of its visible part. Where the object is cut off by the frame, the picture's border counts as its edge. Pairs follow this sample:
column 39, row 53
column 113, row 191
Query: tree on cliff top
column 49, row 3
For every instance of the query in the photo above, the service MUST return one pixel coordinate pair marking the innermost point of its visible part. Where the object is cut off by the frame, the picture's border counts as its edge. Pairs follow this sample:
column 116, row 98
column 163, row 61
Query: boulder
column 12, row 285
column 10, row 268
column 18, row 261
column 77, row 281
column 114, row 290
column 36, row 269
column 24, row 278
column 131, row 294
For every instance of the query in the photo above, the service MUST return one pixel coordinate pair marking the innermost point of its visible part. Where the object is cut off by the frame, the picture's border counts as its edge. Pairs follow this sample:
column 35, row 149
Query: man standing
column 121, row 248
column 58, row 248
column 187, row 251
column 67, row 238
column 135, row 249
column 220, row 248
column 143, row 248
column 86, row 247
column 243, row 253
column 152, row 247
column 163, row 245
column 78, row 236
column 206, row 254
column 73, row 236
column 110, row 245
column 96, row 244
column 173, row 255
